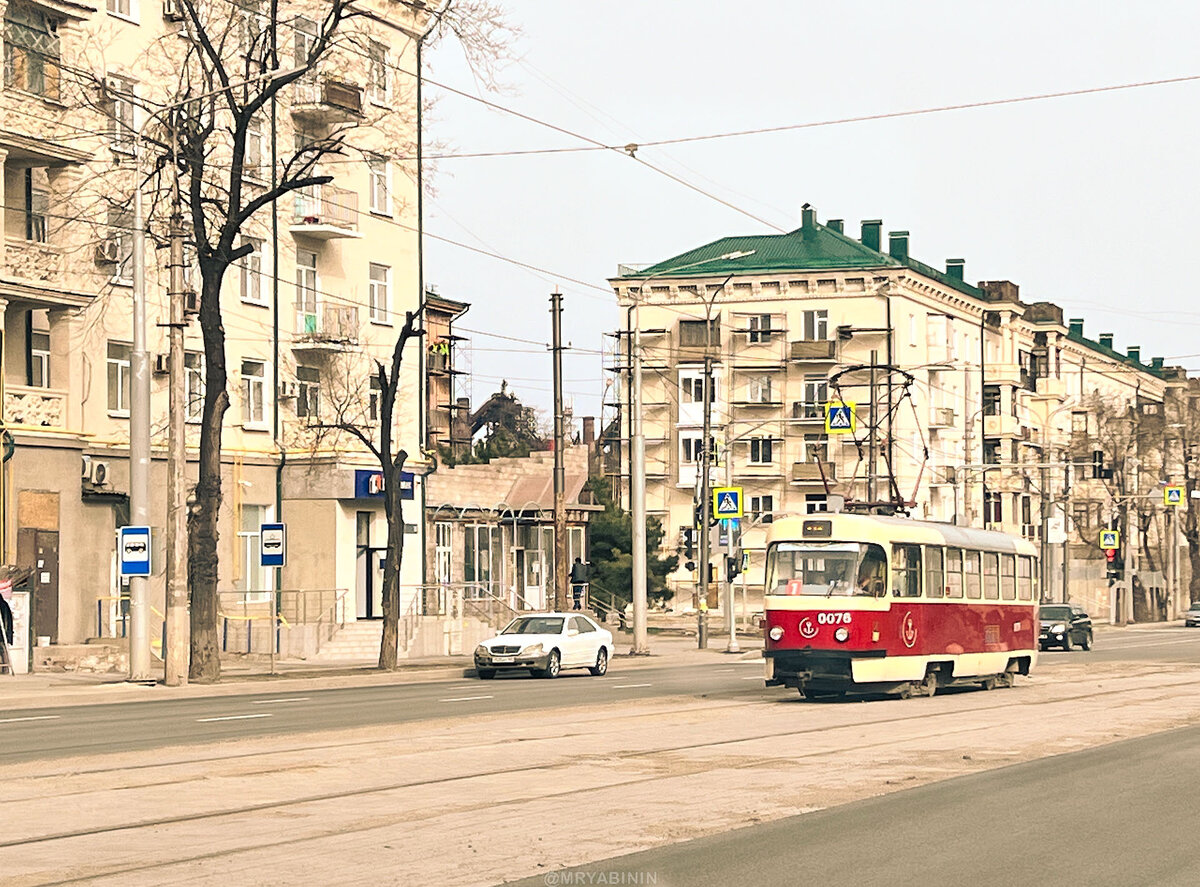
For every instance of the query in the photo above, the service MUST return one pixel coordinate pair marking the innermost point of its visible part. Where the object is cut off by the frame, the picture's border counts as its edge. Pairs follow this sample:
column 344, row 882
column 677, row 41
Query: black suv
column 1063, row 625
column 1192, row 616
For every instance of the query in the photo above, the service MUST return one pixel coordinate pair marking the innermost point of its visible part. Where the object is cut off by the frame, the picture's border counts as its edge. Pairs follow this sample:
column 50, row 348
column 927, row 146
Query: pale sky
column 1088, row 201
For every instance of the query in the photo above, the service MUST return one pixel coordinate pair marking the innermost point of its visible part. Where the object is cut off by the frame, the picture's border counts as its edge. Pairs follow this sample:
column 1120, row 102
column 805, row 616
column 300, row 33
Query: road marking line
column 31, row 718
column 280, row 701
column 465, row 698
column 756, row 677
column 232, row 718
column 629, row 686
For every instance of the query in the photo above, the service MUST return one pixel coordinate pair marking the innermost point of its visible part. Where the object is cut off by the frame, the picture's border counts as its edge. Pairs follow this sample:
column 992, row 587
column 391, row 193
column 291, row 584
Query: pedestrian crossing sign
column 727, row 502
column 1110, row 539
column 1172, row 494
column 839, row 417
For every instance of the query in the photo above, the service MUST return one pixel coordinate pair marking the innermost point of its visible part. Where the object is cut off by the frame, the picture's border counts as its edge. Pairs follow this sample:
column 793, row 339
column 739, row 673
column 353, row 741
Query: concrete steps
column 354, row 641
column 434, row 636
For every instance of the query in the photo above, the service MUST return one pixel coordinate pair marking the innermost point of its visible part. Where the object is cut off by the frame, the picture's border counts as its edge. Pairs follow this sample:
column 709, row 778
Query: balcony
column 813, row 351
column 326, row 101
column 324, row 212
column 809, row 472
column 1051, row 389
column 808, row 411
column 941, row 417
column 330, row 328
column 35, row 407
column 31, row 260
column 1001, row 426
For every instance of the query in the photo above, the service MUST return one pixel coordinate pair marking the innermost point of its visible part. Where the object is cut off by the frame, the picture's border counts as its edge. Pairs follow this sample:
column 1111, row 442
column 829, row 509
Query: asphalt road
column 36, row 734
column 1121, row 814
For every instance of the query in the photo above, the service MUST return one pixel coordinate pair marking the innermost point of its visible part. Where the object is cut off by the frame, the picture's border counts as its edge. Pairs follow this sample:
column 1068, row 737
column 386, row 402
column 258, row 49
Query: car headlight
column 775, row 633
column 481, row 650
column 842, row 635
column 531, row 650
column 1058, row 628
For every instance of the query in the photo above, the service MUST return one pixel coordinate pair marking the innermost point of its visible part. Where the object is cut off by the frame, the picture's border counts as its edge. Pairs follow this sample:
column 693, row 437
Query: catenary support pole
column 139, row 445
column 560, row 505
column 637, row 491
column 705, row 485
column 175, row 657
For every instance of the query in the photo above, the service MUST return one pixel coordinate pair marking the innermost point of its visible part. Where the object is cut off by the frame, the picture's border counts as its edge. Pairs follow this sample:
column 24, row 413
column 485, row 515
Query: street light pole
column 637, row 458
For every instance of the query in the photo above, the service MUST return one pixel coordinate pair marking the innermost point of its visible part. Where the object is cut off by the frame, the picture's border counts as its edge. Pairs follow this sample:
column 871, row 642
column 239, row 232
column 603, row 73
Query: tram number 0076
column 833, row 618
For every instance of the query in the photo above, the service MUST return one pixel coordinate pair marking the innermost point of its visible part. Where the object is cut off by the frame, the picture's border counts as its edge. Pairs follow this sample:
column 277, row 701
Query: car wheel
column 1087, row 641
column 486, row 673
column 553, row 665
column 1067, row 642
column 601, row 665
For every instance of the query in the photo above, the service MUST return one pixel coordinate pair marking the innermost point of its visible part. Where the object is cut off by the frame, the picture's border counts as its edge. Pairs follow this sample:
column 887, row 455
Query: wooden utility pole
column 560, row 502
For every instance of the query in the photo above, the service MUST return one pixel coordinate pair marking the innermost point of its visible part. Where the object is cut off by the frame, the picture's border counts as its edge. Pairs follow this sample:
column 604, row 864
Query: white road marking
column 629, row 686
column 465, row 698
column 31, row 718
column 231, row 718
column 280, row 701
column 756, row 677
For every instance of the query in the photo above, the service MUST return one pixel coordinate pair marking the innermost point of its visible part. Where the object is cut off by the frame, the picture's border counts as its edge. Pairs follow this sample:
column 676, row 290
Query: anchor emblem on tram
column 908, row 629
column 807, row 629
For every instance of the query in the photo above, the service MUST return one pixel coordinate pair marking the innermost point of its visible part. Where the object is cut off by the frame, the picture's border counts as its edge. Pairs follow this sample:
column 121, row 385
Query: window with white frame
column 816, row 325
column 304, row 38
column 762, row 450
column 761, row 508
column 250, row 273
column 193, row 373
column 39, row 360
column 374, row 394
column 252, row 161
column 815, row 448
column 760, row 328
column 119, row 108
column 379, row 296
column 254, row 394
column 254, row 580
column 759, row 390
column 123, row 8
column 308, row 392
column 377, row 73
column 306, row 292
column 816, row 395
column 690, row 449
column 119, row 355
column 31, row 51
column 691, row 389
column 379, row 176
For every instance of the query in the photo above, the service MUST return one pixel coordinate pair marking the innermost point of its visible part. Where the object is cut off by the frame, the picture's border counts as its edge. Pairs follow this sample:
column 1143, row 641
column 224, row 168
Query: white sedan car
column 545, row 644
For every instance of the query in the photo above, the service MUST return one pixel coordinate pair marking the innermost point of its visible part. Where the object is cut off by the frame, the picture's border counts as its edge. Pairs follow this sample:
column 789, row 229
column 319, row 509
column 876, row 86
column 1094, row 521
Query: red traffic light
column 1110, row 554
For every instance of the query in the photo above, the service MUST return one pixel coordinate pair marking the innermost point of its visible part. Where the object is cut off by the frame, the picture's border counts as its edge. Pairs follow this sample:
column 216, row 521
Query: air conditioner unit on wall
column 162, row 364
column 191, row 302
column 108, row 251
column 288, row 390
column 95, row 472
column 173, row 11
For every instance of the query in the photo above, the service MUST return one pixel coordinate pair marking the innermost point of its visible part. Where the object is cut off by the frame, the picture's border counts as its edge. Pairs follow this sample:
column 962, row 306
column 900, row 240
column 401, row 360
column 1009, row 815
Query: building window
column 761, row 451
column 35, row 204
column 991, row 400
column 378, row 175
column 252, row 161
column 377, row 73
column 120, row 236
column 123, row 8
column 441, row 552
column 308, row 392
column 380, row 302
column 691, row 390
column 816, row 503
column 758, row 390
column 31, row 52
column 700, row 333
column 39, row 360
column 816, row 325
column 761, row 508
column 993, row 507
column 306, row 293
column 816, row 395
column 760, row 328
column 483, row 555
column 374, row 393
column 119, row 356
column 250, row 273
column 815, row 449
column 254, row 389
column 690, row 450
column 193, row 372
column 253, row 580
column 991, row 452
column 119, row 107
column 304, row 38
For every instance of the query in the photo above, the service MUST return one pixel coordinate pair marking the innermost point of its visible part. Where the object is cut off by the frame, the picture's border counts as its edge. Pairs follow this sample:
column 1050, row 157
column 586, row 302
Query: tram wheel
column 928, row 686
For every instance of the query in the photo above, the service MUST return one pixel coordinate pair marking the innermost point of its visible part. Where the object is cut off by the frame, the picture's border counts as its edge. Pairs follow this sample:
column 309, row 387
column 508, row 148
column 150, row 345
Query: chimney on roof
column 836, row 225
column 589, row 430
column 872, row 233
column 1156, row 363
column 1000, row 290
column 955, row 267
column 1135, row 353
column 1106, row 340
column 808, row 217
column 898, row 245
column 1076, row 326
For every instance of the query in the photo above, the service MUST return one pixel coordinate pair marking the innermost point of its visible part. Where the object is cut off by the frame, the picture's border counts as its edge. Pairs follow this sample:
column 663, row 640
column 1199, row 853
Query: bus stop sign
column 133, row 550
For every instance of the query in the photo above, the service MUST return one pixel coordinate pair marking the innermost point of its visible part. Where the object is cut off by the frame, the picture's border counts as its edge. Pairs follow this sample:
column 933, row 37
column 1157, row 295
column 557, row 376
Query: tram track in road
column 645, row 755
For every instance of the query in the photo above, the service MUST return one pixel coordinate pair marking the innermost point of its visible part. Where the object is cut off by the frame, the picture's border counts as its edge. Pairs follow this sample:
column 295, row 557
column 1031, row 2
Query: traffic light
column 689, row 542
column 733, row 567
column 1114, row 567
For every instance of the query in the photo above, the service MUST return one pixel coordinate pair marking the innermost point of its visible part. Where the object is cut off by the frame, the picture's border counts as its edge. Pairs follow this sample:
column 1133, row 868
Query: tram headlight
column 775, row 633
column 842, row 635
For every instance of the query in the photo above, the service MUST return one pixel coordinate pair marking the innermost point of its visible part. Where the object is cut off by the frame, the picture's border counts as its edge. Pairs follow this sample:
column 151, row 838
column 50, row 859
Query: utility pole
column 705, row 485
column 872, row 443
column 175, row 657
column 560, row 504
column 730, row 624
column 637, row 489
column 139, row 441
column 1131, row 543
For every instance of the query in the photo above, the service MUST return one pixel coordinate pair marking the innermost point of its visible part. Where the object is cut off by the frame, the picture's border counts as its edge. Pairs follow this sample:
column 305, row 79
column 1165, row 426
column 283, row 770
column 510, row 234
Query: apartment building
column 966, row 397
column 320, row 295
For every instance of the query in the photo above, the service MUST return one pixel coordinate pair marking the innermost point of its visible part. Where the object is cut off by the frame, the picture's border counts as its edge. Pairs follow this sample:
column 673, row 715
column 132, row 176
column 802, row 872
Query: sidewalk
column 243, row 678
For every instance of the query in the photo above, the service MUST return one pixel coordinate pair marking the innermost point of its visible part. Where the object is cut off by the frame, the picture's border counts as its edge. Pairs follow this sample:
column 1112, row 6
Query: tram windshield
column 830, row 569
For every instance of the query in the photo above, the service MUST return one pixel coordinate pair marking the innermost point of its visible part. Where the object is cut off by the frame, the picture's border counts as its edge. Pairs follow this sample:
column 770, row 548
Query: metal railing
column 290, row 608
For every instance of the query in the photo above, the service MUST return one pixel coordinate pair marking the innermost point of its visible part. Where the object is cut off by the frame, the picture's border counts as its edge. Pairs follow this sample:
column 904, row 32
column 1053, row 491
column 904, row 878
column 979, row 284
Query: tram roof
column 907, row 529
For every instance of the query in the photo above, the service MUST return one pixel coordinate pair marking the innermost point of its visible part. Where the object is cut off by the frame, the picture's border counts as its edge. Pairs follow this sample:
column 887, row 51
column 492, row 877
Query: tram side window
column 1008, row 577
column 991, row 576
column 971, row 573
column 954, row 578
column 935, row 582
column 1025, row 578
column 906, row 570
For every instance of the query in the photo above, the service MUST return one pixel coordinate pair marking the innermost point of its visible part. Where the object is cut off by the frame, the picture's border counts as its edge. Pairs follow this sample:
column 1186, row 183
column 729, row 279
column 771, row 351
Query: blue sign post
column 133, row 550
column 272, row 545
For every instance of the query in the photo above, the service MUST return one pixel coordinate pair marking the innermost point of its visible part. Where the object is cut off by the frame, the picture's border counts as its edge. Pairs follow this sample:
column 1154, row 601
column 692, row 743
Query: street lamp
column 637, row 455
column 139, row 417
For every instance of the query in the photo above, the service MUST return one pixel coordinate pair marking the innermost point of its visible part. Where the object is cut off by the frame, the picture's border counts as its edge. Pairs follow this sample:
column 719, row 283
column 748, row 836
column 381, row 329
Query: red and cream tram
column 869, row 603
